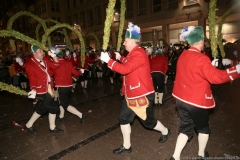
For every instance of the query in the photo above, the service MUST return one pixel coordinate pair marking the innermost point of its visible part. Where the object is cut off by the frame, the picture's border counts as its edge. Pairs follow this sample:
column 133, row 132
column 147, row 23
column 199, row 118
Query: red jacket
column 87, row 61
column 135, row 68
column 38, row 75
column 63, row 75
column 159, row 63
column 193, row 77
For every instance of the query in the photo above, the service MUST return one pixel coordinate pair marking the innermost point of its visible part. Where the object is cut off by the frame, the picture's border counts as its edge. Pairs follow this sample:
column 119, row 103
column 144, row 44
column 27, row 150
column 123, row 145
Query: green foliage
column 18, row 35
column 212, row 24
column 108, row 23
column 12, row 89
column 18, row 14
column 64, row 25
column 121, row 25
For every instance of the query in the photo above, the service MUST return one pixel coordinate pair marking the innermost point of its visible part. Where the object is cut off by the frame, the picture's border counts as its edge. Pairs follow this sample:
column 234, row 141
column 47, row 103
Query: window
column 129, row 8
column 172, row 4
column 53, row 6
column 57, row 7
column 141, row 7
column 74, row 2
column 98, row 15
column 105, row 6
column 75, row 19
column 190, row 2
column 68, row 3
column 82, row 19
column 90, row 18
column 156, row 5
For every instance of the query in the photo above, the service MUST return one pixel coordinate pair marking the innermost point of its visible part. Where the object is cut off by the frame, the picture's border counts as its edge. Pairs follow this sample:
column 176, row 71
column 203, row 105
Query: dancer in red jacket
column 64, row 84
column 137, row 88
column 41, row 85
column 159, row 67
column 192, row 91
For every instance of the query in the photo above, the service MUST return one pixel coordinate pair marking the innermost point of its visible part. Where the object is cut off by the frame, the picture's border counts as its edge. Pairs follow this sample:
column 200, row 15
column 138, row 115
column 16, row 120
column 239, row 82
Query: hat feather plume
column 185, row 32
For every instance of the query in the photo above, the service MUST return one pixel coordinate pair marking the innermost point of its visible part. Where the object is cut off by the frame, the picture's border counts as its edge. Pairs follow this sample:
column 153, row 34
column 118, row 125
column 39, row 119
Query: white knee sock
column 202, row 142
column 160, row 97
column 25, row 85
column 160, row 127
column 73, row 110
column 51, row 118
column 156, row 97
column 82, row 83
column 62, row 111
column 101, row 74
column 34, row 117
column 22, row 85
column 98, row 74
column 126, row 132
column 111, row 79
column 181, row 142
column 85, row 84
column 166, row 77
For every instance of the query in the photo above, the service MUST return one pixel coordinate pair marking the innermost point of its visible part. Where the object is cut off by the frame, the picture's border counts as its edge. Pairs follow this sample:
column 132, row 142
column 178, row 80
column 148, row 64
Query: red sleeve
column 132, row 63
column 51, row 64
column 31, row 76
column 74, row 71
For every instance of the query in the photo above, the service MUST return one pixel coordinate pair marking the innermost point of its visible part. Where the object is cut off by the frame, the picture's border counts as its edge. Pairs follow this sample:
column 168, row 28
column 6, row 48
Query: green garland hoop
column 121, row 25
column 68, row 41
column 64, row 25
column 23, row 13
column 96, row 38
column 220, row 25
column 18, row 35
column 12, row 89
column 108, row 23
column 212, row 24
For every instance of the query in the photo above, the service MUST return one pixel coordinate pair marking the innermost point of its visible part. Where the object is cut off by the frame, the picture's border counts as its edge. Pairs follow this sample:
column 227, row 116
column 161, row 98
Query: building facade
column 158, row 19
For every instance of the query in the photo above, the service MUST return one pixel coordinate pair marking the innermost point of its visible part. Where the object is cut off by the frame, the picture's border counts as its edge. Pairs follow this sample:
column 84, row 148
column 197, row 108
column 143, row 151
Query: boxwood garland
column 108, row 23
column 121, row 25
column 64, row 25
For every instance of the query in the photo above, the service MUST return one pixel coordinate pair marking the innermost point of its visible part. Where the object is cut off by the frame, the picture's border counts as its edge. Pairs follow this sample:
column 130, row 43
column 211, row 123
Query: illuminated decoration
column 121, row 25
column 108, row 23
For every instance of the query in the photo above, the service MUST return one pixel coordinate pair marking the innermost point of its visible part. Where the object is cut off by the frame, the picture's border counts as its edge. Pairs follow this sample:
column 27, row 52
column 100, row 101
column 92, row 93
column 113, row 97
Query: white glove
column 105, row 57
column 74, row 55
column 82, row 70
column 67, row 52
column 32, row 94
column 225, row 62
column 238, row 68
column 19, row 61
column 52, row 55
column 118, row 56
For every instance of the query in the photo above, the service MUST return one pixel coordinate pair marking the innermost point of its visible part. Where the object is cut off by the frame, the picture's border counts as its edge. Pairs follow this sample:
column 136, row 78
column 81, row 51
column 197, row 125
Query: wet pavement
column 100, row 133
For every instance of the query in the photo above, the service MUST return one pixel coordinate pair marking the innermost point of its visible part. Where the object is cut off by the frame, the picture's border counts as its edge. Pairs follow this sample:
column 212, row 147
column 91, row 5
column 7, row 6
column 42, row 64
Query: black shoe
column 164, row 138
column 122, row 150
column 60, row 119
column 83, row 118
column 206, row 155
column 155, row 104
column 56, row 130
column 172, row 158
column 30, row 130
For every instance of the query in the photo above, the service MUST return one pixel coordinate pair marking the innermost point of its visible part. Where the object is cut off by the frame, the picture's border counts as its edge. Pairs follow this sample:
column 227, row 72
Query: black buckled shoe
column 83, row 118
column 60, row 119
column 206, row 155
column 122, row 149
column 56, row 130
column 172, row 158
column 164, row 138
column 30, row 130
